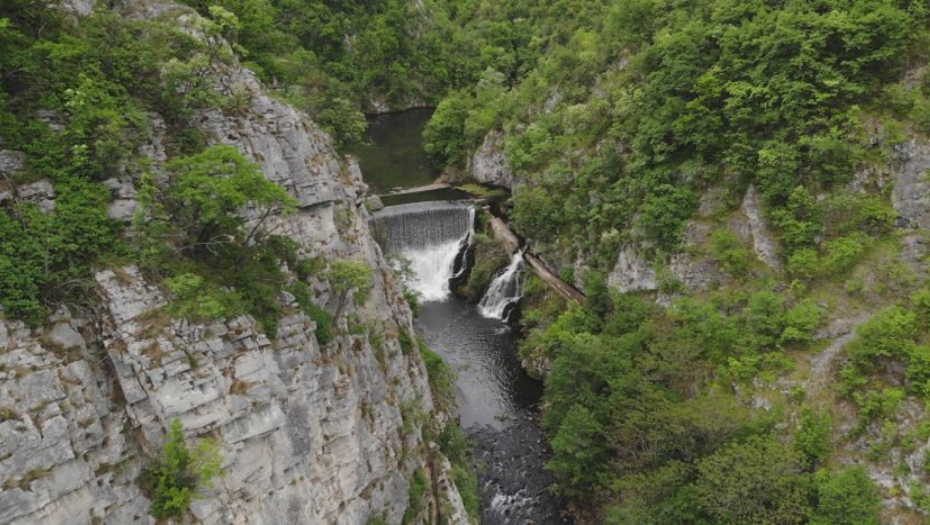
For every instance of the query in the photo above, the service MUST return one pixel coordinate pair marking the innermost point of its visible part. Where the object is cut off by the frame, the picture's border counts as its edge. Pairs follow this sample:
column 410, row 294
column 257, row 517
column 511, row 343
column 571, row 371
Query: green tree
column 578, row 450
column 812, row 437
column 847, row 497
column 444, row 135
column 175, row 477
column 346, row 277
column 198, row 210
column 758, row 481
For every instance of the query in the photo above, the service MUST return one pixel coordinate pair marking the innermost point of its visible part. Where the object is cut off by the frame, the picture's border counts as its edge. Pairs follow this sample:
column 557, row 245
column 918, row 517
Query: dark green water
column 393, row 157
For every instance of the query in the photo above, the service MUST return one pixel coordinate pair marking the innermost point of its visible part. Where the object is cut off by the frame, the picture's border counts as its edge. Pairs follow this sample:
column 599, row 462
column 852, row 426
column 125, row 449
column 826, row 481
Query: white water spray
column 429, row 236
column 505, row 290
column 431, row 268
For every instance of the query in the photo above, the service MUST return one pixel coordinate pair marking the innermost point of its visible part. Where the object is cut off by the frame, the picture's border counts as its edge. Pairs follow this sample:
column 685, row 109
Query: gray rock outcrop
column 310, row 433
column 633, row 272
column 763, row 242
column 489, row 163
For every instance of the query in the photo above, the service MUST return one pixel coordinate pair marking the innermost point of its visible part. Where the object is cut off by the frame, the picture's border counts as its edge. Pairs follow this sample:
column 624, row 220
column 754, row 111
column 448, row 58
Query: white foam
column 504, row 290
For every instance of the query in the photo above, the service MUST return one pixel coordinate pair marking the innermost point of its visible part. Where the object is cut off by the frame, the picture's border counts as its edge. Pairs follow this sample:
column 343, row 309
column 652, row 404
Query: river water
column 498, row 403
column 393, row 156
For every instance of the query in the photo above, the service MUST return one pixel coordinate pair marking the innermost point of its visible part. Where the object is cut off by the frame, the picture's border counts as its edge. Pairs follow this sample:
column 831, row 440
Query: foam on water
column 429, row 236
column 505, row 290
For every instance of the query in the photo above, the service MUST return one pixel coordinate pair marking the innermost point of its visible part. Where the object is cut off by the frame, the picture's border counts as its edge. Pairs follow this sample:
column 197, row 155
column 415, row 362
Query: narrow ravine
column 498, row 403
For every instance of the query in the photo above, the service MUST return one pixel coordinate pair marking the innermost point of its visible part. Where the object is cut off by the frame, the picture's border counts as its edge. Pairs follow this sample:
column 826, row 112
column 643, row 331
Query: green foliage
column 758, row 481
column 193, row 298
column 801, row 321
column 191, row 230
column 346, row 277
column 632, row 407
column 728, row 250
column 45, row 258
column 664, row 212
column 812, row 437
column 887, row 335
column 322, row 318
column 419, row 486
column 847, row 497
column 489, row 257
column 769, row 92
column 444, row 135
column 441, row 377
column 466, row 481
column 174, row 478
column 198, row 206
column 454, row 446
column 578, row 449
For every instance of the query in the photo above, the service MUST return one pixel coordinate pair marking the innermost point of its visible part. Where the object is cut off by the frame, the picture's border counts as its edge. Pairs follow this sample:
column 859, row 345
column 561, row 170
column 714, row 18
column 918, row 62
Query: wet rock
column 514, row 486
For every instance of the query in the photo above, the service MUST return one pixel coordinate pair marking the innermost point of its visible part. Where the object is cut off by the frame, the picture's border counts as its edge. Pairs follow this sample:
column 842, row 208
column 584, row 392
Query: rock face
column 489, row 164
column 763, row 242
column 911, row 199
column 633, row 272
column 911, row 195
column 310, row 433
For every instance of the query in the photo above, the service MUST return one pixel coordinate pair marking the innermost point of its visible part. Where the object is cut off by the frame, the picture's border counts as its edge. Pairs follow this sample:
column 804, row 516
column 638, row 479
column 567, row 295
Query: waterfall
column 505, row 290
column 429, row 236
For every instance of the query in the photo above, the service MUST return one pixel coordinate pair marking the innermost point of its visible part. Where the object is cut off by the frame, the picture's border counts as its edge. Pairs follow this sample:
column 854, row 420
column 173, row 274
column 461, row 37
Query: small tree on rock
column 176, row 476
column 346, row 276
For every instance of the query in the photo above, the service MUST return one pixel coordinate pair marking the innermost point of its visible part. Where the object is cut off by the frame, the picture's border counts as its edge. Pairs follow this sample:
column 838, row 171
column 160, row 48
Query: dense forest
column 628, row 122
column 622, row 126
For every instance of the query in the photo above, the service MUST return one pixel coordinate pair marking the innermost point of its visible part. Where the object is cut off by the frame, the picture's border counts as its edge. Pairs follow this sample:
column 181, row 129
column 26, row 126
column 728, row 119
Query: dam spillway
column 429, row 238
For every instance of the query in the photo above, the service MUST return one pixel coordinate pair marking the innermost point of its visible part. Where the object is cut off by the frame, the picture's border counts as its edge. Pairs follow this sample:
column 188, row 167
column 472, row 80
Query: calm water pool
column 393, row 157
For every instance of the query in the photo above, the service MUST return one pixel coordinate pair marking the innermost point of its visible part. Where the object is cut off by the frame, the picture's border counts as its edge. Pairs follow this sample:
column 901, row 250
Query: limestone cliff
column 309, row 432
column 489, row 163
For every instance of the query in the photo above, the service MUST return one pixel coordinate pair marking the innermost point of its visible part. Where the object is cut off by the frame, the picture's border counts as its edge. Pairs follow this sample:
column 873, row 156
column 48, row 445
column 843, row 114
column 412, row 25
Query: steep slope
column 310, row 431
column 740, row 190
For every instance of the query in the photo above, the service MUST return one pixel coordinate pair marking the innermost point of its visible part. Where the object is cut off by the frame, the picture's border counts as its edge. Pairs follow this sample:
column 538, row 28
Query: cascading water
column 429, row 236
column 497, row 403
column 505, row 290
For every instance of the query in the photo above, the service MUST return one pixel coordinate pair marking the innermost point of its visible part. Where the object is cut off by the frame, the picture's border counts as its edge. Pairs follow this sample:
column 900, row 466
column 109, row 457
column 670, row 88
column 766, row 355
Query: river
column 498, row 404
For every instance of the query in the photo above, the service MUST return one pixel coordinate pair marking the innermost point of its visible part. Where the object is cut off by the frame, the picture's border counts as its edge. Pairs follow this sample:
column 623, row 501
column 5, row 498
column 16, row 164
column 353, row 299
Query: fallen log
column 505, row 236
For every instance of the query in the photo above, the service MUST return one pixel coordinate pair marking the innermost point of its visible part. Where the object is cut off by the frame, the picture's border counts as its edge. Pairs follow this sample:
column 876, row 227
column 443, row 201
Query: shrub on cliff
column 346, row 276
column 192, row 232
column 173, row 479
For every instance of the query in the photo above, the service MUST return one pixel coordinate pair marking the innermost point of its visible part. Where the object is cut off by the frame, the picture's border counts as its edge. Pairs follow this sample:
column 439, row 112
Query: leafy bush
column 727, row 249
column 346, row 277
column 45, row 258
column 847, row 497
column 841, row 254
column 887, row 335
column 194, row 299
column 812, row 437
column 758, row 481
column 665, row 211
column 174, row 478
column 419, row 485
